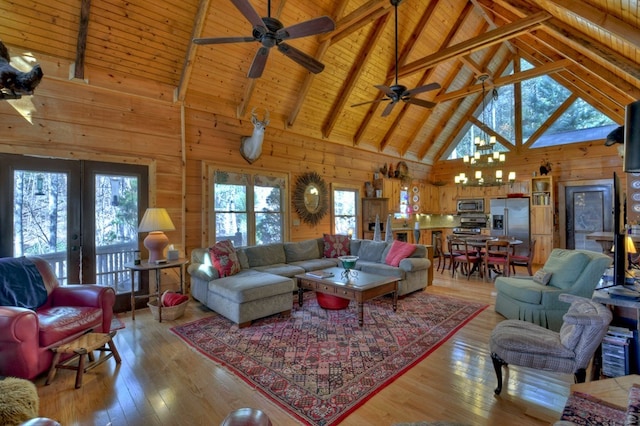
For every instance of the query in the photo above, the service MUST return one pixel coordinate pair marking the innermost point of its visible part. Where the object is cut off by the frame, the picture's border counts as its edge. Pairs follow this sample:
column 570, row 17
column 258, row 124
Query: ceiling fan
column 270, row 32
column 398, row 92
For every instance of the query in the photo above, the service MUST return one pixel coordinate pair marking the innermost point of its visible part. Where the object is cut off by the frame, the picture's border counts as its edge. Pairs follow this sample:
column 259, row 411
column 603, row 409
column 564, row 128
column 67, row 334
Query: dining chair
column 497, row 257
column 465, row 256
column 523, row 260
column 441, row 253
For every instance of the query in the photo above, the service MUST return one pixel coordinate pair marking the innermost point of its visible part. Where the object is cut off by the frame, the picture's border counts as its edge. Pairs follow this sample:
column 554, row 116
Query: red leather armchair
column 27, row 335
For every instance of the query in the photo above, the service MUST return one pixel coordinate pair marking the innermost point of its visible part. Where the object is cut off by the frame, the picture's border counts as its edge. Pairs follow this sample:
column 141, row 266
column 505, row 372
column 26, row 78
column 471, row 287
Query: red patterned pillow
column 398, row 251
column 224, row 258
column 336, row 245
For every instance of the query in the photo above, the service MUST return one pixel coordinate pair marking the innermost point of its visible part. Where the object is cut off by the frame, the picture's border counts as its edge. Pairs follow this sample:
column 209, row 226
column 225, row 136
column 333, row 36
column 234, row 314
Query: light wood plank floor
column 161, row 381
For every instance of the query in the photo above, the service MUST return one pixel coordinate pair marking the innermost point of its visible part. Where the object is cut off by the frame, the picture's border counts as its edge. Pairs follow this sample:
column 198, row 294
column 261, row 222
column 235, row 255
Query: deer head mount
column 251, row 146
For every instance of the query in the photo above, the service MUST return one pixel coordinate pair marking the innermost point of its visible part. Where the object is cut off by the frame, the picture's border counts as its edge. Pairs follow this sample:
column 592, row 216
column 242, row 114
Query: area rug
column 319, row 364
column 584, row 409
column 116, row 323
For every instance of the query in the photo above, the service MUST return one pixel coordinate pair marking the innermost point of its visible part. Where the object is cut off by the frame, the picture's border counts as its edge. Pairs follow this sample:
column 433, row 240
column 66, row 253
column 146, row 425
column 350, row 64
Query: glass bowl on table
column 348, row 263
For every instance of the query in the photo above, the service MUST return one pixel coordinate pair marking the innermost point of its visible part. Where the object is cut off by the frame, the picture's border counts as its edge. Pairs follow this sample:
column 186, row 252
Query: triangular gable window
column 542, row 98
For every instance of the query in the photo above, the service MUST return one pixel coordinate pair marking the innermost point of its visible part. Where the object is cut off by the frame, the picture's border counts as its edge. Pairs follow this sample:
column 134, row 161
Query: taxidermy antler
column 251, row 146
column 13, row 82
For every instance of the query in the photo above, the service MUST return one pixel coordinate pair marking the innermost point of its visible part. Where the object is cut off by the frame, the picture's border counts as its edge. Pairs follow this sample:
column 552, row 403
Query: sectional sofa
column 265, row 282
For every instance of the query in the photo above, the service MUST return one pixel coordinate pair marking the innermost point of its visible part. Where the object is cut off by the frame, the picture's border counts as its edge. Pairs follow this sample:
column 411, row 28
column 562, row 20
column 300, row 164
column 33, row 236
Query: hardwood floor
column 161, row 381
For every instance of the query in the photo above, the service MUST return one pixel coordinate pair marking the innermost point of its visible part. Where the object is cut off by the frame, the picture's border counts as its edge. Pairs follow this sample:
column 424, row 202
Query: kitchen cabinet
column 391, row 191
column 370, row 208
column 448, row 197
column 542, row 204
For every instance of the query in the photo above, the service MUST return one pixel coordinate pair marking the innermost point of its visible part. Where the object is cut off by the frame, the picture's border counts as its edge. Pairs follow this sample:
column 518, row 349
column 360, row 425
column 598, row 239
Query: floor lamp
column 155, row 221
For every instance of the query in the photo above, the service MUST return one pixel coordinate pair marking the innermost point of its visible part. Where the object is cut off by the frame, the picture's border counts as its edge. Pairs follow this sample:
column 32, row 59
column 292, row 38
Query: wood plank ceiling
column 591, row 47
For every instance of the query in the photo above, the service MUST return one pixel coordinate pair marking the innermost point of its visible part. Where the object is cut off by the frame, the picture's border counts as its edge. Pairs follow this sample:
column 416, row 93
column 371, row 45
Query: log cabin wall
column 80, row 121
column 76, row 120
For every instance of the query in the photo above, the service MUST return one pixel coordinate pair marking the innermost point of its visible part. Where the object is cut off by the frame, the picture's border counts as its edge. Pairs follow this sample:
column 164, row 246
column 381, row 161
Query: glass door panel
column 40, row 228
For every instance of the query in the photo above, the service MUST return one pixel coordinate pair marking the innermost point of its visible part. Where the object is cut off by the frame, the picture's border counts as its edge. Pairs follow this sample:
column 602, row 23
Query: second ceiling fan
column 270, row 32
column 398, row 92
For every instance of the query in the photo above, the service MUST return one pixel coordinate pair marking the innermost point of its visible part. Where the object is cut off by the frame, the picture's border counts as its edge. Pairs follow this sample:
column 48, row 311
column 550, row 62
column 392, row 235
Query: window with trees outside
column 248, row 208
column 551, row 115
column 345, row 211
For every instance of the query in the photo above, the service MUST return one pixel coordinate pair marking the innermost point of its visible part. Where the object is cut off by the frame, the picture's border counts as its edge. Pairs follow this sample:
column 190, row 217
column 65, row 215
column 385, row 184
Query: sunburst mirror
column 310, row 198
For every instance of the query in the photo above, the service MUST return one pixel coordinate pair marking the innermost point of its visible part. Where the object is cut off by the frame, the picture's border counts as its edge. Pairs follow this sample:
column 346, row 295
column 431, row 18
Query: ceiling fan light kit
column 270, row 32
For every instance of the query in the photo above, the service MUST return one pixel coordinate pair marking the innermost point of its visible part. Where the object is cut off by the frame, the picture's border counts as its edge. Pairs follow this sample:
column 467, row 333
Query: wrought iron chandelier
column 485, row 156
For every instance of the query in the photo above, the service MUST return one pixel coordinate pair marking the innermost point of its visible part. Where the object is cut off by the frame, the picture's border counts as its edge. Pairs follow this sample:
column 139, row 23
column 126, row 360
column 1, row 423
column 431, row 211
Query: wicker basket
column 169, row 312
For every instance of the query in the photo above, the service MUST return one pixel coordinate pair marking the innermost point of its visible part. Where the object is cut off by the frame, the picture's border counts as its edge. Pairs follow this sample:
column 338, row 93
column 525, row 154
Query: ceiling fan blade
column 370, row 102
column 421, row 102
column 221, row 40
column 302, row 58
column 386, row 89
column 388, row 109
column 314, row 26
column 259, row 61
column 422, row 89
column 249, row 12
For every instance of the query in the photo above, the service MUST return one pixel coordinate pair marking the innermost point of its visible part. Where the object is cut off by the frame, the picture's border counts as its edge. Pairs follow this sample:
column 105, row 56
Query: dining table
column 479, row 242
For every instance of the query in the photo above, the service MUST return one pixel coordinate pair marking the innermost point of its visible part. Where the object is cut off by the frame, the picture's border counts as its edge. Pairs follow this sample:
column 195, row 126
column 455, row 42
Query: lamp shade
column 630, row 246
column 155, row 221
column 632, row 138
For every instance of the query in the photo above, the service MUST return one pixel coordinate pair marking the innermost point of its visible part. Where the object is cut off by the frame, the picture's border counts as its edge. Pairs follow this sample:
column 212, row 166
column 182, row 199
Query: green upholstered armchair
column 574, row 272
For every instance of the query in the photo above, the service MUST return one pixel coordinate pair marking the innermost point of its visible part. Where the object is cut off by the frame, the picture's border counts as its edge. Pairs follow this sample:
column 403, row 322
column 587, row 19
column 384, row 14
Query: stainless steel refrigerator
column 510, row 217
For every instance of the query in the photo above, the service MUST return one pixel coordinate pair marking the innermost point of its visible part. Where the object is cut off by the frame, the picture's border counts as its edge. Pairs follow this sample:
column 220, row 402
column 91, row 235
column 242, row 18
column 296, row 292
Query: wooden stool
column 246, row 417
column 83, row 345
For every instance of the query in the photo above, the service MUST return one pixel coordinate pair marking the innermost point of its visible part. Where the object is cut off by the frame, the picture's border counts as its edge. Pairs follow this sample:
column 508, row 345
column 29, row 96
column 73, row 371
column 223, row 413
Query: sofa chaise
column 530, row 299
column 264, row 284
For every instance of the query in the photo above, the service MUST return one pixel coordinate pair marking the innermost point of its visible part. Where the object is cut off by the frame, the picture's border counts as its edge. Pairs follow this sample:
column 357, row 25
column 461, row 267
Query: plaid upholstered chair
column 568, row 351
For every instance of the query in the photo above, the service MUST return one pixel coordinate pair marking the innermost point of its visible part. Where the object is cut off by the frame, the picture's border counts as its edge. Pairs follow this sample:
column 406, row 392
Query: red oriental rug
column 319, row 364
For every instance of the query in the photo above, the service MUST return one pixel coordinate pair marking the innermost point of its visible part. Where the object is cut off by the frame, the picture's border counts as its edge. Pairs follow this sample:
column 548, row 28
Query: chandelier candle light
column 485, row 156
column 155, row 221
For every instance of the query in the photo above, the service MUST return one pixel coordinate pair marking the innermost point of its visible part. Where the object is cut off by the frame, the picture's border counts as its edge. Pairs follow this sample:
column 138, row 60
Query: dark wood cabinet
column 370, row 208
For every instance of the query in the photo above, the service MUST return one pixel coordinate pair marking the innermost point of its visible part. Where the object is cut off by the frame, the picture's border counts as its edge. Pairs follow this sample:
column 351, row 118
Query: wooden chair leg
column 497, row 366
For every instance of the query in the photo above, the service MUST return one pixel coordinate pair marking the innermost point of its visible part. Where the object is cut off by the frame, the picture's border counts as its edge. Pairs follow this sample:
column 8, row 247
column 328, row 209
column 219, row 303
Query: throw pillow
column 542, row 277
column 336, row 245
column 399, row 250
column 169, row 298
column 224, row 258
column 566, row 266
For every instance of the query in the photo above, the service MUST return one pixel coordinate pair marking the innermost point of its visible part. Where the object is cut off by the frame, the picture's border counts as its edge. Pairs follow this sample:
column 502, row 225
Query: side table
column 157, row 267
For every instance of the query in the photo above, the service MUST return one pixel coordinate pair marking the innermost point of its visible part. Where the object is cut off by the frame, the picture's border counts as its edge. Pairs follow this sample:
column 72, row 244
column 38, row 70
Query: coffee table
column 359, row 286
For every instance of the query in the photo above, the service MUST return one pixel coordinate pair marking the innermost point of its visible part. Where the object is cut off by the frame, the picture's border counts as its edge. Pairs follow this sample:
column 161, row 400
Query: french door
column 82, row 216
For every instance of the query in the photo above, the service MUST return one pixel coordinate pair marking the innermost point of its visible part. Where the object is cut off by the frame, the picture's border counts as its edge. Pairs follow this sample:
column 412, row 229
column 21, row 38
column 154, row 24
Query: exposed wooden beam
column 550, row 120
column 477, row 43
column 356, row 69
column 599, row 18
column 423, row 79
column 509, row 79
column 81, row 44
column 308, row 79
column 187, row 66
column 402, row 57
column 362, row 16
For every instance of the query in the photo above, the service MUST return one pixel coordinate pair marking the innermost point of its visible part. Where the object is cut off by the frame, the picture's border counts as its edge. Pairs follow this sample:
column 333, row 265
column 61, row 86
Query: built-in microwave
column 475, row 205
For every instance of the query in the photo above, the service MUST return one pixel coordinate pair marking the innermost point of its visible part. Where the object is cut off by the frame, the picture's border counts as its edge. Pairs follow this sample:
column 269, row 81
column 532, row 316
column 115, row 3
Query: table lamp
column 155, row 221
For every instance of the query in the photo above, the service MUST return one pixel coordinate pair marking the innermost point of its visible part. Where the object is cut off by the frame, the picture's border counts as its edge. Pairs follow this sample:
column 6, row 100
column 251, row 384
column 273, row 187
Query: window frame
column 209, row 235
column 358, row 200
